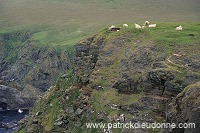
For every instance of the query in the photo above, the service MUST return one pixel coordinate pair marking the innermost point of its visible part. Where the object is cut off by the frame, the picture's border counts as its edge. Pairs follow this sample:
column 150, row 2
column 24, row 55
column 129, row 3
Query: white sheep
column 137, row 26
column 146, row 23
column 179, row 28
column 152, row 25
column 112, row 26
column 125, row 25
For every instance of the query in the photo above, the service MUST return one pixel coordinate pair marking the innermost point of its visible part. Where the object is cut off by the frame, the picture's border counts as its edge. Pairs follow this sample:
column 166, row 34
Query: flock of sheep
column 137, row 26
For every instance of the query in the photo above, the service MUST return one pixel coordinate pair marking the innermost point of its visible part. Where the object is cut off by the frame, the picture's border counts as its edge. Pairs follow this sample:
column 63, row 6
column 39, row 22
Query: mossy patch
column 102, row 100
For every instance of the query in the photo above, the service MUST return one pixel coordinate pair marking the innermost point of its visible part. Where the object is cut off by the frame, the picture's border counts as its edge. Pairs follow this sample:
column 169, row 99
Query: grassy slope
column 67, row 21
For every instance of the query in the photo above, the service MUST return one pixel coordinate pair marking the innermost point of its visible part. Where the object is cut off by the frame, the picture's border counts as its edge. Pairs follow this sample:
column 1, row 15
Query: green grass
column 50, row 118
column 110, row 96
column 165, row 33
column 22, row 131
column 12, row 42
column 50, row 104
column 64, row 22
column 69, row 34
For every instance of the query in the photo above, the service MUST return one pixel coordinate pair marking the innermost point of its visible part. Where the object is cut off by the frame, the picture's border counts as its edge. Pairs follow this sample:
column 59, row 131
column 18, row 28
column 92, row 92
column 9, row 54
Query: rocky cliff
column 27, row 69
column 140, row 74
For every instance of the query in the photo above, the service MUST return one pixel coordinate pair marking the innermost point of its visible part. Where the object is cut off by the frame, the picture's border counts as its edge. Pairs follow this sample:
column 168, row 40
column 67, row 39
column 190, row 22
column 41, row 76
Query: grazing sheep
column 179, row 28
column 152, row 25
column 146, row 23
column 112, row 26
column 137, row 26
column 125, row 25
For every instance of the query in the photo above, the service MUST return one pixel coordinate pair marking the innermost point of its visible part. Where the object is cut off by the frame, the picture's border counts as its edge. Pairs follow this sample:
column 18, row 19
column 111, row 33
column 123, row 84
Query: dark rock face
column 11, row 98
column 164, row 81
column 185, row 109
column 27, row 69
column 126, row 86
column 86, row 57
column 39, row 68
column 45, row 72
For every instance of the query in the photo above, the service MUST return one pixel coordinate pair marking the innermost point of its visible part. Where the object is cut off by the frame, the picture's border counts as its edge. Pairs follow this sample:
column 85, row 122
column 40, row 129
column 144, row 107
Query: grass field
column 67, row 21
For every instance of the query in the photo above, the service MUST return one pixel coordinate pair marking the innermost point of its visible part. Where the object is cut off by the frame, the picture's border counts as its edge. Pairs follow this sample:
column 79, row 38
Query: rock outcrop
column 185, row 108
column 11, row 98
column 87, row 52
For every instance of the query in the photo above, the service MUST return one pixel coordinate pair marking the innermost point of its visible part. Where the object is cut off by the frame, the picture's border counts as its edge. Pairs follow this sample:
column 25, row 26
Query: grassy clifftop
column 134, row 72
